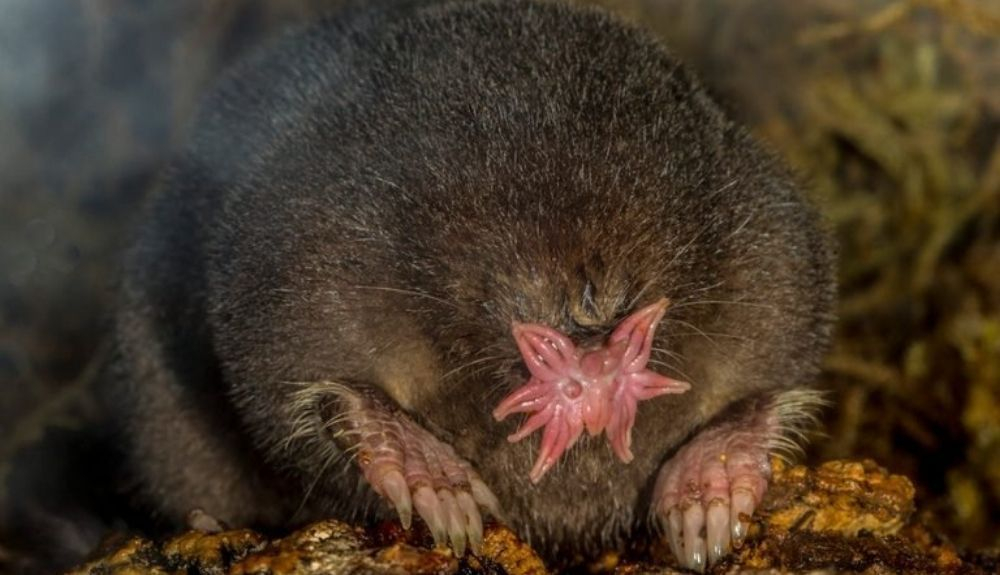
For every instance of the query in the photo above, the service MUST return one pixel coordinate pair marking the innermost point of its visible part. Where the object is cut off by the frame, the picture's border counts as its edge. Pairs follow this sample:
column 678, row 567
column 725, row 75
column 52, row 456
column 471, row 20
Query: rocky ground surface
column 842, row 517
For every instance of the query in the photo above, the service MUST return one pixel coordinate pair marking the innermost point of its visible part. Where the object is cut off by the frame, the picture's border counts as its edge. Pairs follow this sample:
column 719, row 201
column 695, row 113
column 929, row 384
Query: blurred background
column 889, row 110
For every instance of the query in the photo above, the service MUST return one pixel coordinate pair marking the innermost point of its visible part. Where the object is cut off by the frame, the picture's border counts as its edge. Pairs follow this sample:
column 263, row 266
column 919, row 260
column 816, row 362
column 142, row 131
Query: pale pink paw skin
column 706, row 494
column 412, row 469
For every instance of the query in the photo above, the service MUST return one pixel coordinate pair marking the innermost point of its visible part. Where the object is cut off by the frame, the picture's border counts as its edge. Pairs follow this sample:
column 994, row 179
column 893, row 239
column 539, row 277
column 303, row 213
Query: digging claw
column 456, row 524
column 395, row 489
column 474, row 522
column 429, row 507
column 742, row 510
column 485, row 497
column 694, row 545
column 717, row 531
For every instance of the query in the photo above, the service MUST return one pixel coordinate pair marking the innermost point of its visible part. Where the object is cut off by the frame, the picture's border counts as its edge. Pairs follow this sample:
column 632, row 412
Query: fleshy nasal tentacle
column 547, row 353
column 533, row 396
column 648, row 384
column 620, row 428
column 558, row 436
column 537, row 420
column 596, row 412
column 638, row 329
column 545, row 460
column 598, row 390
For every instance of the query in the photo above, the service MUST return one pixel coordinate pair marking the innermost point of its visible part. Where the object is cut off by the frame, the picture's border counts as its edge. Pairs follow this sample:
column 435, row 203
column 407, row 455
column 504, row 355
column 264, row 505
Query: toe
column 740, row 512
column 483, row 496
column 429, row 507
column 717, row 531
column 455, row 521
column 694, row 544
column 474, row 521
column 395, row 489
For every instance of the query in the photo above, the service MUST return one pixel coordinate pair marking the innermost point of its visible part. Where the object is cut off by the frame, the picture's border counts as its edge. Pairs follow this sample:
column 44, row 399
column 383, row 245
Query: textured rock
column 327, row 547
column 842, row 517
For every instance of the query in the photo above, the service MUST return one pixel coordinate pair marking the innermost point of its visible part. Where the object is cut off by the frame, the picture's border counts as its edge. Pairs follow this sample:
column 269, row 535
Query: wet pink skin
column 572, row 389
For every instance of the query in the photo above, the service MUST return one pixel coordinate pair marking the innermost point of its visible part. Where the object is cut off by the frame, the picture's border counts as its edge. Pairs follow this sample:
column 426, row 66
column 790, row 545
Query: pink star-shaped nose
column 571, row 389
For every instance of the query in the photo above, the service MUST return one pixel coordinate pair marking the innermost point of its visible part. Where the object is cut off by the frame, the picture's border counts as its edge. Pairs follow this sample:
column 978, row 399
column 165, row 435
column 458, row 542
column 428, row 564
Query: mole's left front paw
column 705, row 495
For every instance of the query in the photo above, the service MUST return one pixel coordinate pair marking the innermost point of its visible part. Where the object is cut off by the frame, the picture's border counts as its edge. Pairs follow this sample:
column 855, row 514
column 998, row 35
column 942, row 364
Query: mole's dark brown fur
column 367, row 205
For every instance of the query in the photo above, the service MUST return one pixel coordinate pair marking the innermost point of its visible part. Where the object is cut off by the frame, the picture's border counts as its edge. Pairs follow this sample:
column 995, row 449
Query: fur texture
column 371, row 201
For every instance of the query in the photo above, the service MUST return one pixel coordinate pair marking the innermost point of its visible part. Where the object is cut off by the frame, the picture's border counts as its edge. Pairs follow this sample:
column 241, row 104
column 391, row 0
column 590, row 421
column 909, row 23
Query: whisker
column 672, row 354
column 470, row 364
column 481, row 370
column 727, row 302
column 498, row 388
column 672, row 367
column 408, row 292
column 713, row 333
column 686, row 247
column 681, row 287
column 635, row 299
column 333, row 422
column 695, row 328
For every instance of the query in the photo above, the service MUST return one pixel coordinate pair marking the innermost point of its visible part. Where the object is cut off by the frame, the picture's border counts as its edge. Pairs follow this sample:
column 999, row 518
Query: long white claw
column 741, row 510
column 455, row 519
column 717, row 530
column 697, row 556
column 482, row 494
column 394, row 487
column 694, row 544
column 429, row 507
column 674, row 533
column 474, row 521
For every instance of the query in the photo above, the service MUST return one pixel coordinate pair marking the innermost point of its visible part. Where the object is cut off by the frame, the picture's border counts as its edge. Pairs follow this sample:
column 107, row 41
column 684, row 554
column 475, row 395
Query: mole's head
column 569, row 316
column 566, row 299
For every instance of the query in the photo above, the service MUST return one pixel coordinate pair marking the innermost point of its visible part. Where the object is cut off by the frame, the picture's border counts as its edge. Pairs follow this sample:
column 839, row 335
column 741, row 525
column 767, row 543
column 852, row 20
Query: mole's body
column 321, row 298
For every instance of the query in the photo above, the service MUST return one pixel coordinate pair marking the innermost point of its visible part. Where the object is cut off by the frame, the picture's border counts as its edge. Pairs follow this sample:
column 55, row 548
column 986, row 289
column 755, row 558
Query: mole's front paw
column 706, row 493
column 413, row 469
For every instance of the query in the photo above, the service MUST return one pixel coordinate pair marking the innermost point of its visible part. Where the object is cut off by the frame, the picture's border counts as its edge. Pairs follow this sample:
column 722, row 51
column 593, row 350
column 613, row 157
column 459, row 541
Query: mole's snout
column 571, row 389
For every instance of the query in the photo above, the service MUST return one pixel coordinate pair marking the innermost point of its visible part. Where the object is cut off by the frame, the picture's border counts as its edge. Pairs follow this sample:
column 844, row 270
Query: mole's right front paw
column 411, row 468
